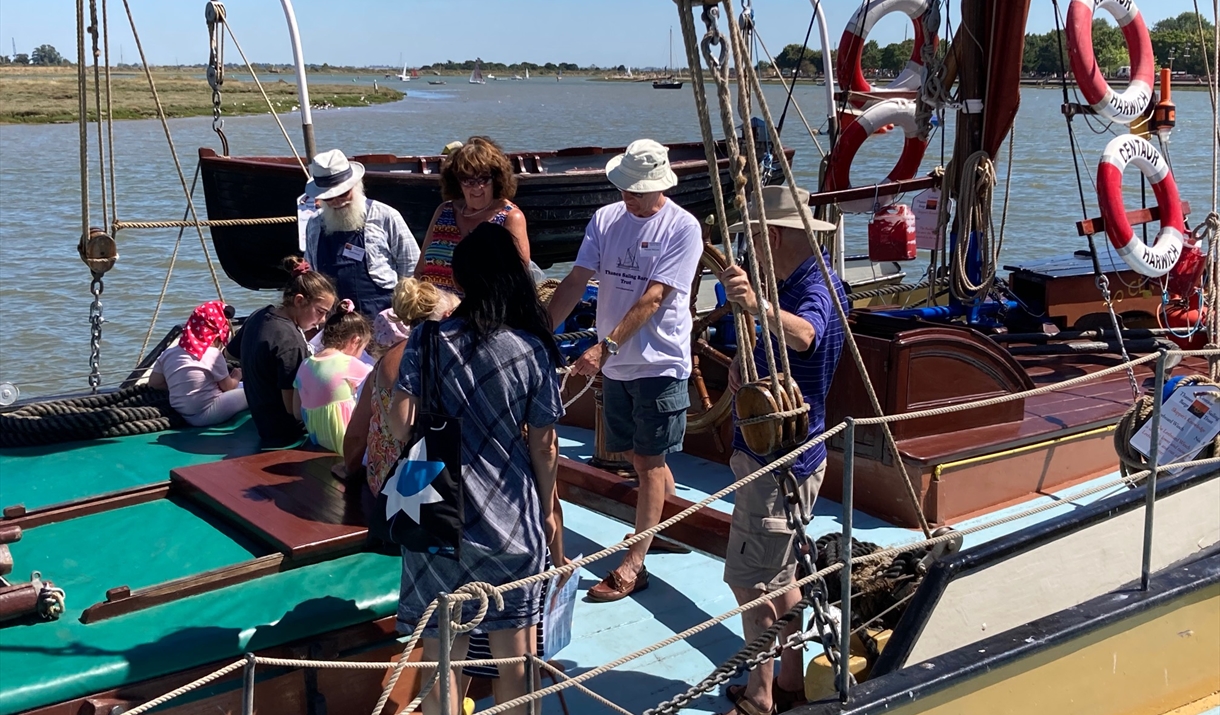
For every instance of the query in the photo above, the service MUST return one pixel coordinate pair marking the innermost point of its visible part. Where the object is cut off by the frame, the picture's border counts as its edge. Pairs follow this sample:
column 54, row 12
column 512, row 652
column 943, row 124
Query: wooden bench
column 286, row 499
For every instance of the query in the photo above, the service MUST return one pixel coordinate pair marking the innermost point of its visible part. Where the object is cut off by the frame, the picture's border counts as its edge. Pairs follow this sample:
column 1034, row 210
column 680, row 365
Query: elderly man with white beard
column 364, row 246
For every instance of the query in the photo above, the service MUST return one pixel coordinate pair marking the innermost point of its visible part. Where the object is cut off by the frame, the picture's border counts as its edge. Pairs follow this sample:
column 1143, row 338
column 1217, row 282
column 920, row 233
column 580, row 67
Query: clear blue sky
column 378, row 32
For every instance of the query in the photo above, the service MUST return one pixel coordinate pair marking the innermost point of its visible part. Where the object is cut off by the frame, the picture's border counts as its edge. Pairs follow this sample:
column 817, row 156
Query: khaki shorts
column 760, row 553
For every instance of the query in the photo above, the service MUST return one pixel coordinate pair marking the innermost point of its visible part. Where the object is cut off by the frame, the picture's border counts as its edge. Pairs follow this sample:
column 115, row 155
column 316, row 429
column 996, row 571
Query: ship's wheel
column 706, row 414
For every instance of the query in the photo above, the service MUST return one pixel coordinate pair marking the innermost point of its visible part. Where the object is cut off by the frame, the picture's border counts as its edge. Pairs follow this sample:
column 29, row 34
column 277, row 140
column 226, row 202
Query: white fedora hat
column 333, row 175
column 644, row 168
column 781, row 211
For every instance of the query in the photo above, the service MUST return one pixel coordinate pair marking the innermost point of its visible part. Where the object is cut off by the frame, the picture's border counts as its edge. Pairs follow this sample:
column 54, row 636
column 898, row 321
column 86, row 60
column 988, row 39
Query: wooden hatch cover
column 287, row 499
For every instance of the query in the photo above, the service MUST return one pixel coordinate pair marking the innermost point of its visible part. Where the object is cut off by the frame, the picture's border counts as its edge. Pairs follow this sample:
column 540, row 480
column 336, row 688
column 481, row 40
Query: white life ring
column 1130, row 104
column 1160, row 258
column 855, row 35
column 899, row 112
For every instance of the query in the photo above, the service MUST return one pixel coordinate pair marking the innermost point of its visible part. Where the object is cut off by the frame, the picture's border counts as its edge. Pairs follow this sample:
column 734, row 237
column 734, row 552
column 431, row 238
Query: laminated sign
column 560, row 609
column 1190, row 420
column 307, row 208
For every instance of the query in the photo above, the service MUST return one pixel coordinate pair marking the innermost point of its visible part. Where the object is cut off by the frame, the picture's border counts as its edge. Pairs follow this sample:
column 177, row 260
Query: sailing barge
column 558, row 191
column 238, row 551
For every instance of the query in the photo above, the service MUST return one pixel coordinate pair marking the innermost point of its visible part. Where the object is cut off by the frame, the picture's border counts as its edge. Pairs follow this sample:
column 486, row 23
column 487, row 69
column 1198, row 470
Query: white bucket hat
column 333, row 175
column 644, row 168
column 777, row 202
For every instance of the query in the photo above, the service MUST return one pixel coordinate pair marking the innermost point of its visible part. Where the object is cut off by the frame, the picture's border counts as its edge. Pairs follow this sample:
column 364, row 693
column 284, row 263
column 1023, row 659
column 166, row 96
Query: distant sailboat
column 476, row 77
column 404, row 77
column 527, row 72
column 668, row 82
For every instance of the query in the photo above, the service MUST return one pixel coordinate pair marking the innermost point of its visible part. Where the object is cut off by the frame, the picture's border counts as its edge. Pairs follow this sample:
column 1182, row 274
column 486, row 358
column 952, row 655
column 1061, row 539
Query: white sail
column 476, row 77
column 527, row 72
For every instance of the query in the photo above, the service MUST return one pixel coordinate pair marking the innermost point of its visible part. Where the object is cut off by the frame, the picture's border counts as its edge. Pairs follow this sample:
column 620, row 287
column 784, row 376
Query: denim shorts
column 646, row 415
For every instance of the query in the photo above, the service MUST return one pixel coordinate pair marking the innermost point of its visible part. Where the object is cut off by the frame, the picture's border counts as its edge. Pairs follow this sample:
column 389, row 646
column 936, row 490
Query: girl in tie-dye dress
column 327, row 383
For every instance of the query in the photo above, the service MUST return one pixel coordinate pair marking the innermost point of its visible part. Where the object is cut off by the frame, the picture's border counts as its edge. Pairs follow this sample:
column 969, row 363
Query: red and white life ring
column 851, row 46
column 899, row 112
column 1160, row 258
column 1130, row 104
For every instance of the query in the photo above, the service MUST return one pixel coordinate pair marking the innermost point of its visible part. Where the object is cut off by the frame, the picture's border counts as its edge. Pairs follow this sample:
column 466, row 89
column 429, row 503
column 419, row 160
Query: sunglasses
column 471, row 182
column 635, row 194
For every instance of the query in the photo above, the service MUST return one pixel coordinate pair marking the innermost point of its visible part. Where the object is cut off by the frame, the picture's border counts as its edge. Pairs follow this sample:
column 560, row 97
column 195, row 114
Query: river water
column 44, row 289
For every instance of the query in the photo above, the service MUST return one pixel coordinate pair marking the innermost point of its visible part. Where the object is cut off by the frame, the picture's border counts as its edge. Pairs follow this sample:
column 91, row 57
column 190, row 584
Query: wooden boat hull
column 1073, row 632
column 558, row 191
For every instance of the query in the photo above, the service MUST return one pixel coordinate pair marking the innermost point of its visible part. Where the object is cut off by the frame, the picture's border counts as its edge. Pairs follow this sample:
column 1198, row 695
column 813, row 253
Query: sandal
column 784, row 700
column 745, row 707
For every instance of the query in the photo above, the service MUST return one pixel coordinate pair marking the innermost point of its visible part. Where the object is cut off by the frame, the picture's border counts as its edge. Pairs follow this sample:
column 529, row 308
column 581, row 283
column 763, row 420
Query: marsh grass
column 48, row 95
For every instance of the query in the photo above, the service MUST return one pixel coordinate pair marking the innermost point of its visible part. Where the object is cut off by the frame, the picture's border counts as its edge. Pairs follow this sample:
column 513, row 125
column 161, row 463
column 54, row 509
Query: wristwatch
column 610, row 346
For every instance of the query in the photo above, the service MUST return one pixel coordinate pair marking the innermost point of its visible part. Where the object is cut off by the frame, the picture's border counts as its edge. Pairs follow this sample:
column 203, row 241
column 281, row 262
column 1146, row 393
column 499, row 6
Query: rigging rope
column 813, row 135
column 840, row 309
column 169, row 271
column 796, row 73
column 94, row 31
column 275, row 115
column 152, row 85
column 745, row 69
column 83, row 108
column 743, row 323
column 114, row 188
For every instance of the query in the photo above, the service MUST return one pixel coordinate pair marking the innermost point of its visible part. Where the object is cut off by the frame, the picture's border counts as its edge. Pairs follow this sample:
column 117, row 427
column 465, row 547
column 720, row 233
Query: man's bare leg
column 753, row 623
column 656, row 482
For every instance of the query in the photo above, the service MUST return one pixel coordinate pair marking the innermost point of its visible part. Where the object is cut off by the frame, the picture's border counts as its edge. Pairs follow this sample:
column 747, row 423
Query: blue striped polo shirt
column 805, row 294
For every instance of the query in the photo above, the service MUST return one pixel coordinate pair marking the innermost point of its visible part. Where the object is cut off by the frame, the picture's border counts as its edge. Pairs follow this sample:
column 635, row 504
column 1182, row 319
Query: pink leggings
column 221, row 410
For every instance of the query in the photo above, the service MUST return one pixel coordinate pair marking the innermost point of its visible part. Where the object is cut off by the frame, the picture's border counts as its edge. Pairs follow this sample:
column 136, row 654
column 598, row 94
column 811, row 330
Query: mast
column 669, row 67
column 311, row 148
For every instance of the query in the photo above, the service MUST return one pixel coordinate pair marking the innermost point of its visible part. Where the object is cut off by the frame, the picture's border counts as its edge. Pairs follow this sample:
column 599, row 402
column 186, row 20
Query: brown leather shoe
column 615, row 588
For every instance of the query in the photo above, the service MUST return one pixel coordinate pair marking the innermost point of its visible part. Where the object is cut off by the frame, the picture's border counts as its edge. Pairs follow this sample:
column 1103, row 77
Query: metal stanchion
column 849, row 463
column 444, row 671
column 1153, row 462
column 531, row 706
column 247, row 693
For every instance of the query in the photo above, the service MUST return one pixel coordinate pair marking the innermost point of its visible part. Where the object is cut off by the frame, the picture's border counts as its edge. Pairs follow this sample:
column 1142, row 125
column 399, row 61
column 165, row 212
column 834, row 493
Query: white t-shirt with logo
column 627, row 252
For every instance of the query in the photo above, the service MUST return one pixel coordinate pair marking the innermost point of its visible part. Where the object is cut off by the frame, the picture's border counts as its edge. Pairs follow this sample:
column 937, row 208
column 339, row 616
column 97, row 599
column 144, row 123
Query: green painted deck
column 40, row 476
column 150, row 543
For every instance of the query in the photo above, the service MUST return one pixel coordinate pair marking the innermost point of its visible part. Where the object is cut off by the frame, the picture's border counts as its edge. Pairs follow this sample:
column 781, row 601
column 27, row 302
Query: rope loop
column 485, row 593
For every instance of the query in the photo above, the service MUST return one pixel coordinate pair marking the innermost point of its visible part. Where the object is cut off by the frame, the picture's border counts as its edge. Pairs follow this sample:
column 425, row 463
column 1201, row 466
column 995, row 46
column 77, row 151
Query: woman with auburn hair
column 478, row 184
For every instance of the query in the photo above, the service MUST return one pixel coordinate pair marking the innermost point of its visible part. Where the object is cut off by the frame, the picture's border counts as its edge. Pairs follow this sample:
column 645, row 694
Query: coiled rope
column 130, row 411
column 974, row 216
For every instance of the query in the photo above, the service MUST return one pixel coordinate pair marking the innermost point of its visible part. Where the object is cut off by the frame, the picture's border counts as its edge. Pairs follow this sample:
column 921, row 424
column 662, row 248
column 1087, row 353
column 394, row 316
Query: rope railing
column 403, row 664
column 204, row 223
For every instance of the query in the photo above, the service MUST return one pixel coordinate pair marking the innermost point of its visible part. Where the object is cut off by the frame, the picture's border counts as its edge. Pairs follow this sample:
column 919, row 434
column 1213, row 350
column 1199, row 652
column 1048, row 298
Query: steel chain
column 767, row 647
column 95, row 332
column 1103, row 284
column 215, row 14
column 798, row 519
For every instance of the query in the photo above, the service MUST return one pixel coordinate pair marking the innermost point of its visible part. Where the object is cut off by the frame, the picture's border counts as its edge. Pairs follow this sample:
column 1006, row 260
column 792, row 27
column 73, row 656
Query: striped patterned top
column 438, row 256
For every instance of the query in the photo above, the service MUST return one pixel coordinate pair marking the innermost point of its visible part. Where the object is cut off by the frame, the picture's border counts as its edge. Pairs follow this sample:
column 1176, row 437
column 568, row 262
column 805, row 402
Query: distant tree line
column 1174, row 37
column 43, row 55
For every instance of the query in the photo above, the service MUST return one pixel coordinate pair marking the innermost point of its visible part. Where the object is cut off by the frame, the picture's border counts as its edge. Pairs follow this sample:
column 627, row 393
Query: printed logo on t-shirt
column 628, row 260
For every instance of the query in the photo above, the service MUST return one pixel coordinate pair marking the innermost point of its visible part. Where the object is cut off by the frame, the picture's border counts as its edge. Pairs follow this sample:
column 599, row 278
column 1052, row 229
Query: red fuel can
column 891, row 234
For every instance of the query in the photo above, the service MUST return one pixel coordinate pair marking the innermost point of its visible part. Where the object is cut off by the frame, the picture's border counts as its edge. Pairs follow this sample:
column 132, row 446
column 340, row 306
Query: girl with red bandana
column 201, row 387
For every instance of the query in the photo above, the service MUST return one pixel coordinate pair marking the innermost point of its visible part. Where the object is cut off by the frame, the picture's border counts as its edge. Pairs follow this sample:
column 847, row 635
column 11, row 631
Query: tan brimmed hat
column 777, row 203
column 644, row 168
column 333, row 175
